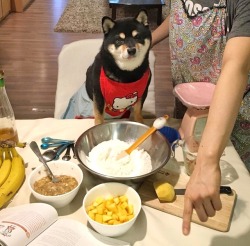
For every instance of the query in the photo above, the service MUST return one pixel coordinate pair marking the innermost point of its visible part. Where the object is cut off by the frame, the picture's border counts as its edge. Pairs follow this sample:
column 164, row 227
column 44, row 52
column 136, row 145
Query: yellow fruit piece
column 123, row 199
column 111, row 222
column 164, row 191
column 98, row 218
column 116, row 200
column 6, row 166
column 124, row 205
column 111, row 211
column 89, row 208
column 115, row 217
column 130, row 209
column 106, row 218
column 108, row 203
column 109, row 198
column 91, row 215
column 7, row 154
column 112, row 207
column 14, row 152
column 5, row 170
column 122, row 211
column 122, row 218
column 94, row 211
column 21, row 145
column 1, row 156
column 100, row 209
column 98, row 201
column 130, row 217
column 14, row 181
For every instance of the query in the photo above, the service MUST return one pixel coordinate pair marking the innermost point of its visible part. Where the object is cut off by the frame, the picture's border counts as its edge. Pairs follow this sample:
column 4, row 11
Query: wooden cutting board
column 221, row 221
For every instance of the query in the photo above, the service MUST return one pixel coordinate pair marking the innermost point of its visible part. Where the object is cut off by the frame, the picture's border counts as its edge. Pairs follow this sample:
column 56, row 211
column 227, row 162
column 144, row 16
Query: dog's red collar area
column 120, row 97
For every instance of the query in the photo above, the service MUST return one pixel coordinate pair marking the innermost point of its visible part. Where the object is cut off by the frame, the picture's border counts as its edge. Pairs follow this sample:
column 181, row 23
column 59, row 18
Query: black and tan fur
column 124, row 56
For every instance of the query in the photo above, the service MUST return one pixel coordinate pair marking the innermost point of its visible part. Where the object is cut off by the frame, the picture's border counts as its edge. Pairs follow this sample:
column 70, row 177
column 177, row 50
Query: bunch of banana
column 6, row 166
column 12, row 174
column 1, row 156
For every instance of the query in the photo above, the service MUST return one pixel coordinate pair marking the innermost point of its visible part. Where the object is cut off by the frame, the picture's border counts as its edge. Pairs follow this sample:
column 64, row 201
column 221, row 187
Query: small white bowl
column 58, row 168
column 113, row 189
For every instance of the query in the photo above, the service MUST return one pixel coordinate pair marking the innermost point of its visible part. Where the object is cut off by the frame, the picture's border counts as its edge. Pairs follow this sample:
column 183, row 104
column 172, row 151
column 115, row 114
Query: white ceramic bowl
column 112, row 189
column 58, row 168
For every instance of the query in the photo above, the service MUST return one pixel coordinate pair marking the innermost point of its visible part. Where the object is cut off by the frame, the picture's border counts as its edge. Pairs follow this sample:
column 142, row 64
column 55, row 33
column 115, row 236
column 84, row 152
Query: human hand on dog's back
column 161, row 32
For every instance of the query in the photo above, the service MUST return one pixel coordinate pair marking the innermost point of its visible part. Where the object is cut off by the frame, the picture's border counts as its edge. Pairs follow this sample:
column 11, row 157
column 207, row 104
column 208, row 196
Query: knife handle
column 225, row 190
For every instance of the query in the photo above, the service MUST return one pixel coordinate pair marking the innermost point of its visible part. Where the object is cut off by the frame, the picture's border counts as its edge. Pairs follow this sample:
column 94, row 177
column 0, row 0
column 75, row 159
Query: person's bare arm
column 160, row 32
column 202, row 192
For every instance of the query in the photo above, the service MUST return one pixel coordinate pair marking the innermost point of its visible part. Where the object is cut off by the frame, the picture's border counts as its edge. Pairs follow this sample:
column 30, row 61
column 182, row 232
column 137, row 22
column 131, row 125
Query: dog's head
column 128, row 40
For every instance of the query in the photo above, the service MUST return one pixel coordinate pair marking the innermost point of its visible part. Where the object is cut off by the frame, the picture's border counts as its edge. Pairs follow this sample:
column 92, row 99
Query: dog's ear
column 142, row 17
column 107, row 24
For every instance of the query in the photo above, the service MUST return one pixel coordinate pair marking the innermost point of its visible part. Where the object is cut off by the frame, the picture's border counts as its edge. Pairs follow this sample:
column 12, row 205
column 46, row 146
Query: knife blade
column 223, row 190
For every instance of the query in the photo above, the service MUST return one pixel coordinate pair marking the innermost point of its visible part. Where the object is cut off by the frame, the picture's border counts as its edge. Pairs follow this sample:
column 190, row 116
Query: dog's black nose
column 131, row 51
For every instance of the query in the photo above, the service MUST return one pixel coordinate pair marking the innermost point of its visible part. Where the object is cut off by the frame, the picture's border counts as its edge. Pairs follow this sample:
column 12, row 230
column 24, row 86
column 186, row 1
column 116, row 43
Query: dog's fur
column 124, row 58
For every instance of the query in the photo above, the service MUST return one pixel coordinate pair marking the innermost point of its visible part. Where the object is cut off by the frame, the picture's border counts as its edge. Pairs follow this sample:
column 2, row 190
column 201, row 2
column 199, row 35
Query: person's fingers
column 216, row 201
column 209, row 208
column 187, row 216
column 200, row 210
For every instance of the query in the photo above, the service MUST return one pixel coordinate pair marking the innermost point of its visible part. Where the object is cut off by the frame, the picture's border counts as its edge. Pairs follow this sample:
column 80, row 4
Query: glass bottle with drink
column 8, row 132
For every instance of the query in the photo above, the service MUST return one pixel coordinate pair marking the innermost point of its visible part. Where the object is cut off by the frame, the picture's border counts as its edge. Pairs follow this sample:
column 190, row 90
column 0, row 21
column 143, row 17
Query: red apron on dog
column 120, row 97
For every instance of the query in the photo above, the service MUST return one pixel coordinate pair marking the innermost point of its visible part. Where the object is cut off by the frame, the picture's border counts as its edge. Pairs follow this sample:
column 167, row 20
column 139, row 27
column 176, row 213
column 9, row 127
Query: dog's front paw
column 139, row 118
column 98, row 121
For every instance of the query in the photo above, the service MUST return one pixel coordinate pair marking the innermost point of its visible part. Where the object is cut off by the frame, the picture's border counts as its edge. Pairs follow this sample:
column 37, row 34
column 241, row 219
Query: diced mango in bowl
column 111, row 211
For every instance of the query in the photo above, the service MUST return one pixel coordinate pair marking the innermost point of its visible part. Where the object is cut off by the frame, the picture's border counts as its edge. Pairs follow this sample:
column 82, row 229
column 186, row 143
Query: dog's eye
column 119, row 42
column 138, row 36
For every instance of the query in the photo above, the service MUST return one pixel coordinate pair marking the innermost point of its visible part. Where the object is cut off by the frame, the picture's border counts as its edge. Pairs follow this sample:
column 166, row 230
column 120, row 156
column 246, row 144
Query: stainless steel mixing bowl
column 156, row 145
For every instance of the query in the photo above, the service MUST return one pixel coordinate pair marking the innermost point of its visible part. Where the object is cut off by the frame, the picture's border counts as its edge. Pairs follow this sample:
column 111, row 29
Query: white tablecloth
column 153, row 228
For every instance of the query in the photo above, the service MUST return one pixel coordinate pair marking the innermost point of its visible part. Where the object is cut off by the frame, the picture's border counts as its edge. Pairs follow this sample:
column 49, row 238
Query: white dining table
column 153, row 227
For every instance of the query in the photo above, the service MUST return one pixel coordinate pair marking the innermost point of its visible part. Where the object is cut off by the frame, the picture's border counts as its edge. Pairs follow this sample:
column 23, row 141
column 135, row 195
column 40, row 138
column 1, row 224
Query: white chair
column 73, row 61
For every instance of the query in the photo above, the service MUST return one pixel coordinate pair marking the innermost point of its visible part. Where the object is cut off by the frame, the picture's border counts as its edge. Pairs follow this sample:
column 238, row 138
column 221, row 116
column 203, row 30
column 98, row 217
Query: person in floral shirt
column 210, row 42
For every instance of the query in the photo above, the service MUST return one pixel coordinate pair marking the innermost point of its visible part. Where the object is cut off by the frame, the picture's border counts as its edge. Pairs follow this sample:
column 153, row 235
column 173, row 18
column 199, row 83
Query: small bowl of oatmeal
column 57, row 194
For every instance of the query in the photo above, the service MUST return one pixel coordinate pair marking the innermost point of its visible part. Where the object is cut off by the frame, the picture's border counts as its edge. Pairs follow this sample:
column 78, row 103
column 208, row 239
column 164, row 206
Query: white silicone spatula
column 158, row 124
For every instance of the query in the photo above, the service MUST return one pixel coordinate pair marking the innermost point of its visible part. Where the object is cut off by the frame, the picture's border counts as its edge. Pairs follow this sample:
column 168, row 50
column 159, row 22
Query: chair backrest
column 73, row 61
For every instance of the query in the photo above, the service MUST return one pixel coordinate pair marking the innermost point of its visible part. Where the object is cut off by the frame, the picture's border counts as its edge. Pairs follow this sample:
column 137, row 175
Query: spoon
column 35, row 148
column 73, row 150
column 49, row 154
column 67, row 156
column 48, row 140
column 53, row 154
column 49, row 145
column 158, row 124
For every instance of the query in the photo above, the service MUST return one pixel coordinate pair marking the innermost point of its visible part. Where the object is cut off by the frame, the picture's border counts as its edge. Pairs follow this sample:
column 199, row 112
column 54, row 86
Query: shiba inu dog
column 120, row 75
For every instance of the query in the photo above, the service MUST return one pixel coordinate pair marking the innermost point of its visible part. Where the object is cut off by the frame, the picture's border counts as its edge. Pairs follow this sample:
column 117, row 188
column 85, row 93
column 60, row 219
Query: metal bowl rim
column 119, row 177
